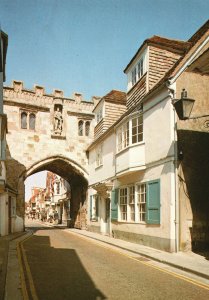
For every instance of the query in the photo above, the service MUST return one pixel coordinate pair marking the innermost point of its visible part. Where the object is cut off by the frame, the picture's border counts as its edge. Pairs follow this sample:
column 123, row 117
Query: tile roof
column 162, row 42
column 114, row 96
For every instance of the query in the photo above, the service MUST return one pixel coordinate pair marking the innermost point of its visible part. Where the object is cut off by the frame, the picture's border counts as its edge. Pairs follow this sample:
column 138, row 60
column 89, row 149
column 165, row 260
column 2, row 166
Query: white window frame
column 138, row 69
column 138, row 132
column 99, row 115
column 132, row 203
column 126, row 132
column 99, row 156
column 123, row 136
column 123, row 204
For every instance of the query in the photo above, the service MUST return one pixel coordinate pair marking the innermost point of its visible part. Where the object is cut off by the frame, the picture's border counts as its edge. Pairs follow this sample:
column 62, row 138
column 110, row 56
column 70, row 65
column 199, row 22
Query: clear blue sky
column 84, row 45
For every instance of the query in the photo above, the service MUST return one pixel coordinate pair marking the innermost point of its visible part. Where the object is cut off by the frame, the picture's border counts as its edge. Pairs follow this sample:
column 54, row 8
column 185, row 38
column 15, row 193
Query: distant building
column 55, row 197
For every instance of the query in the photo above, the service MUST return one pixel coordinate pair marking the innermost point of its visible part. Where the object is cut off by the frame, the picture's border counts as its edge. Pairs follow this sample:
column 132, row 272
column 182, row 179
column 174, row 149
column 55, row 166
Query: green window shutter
column 114, row 205
column 153, row 202
column 91, row 207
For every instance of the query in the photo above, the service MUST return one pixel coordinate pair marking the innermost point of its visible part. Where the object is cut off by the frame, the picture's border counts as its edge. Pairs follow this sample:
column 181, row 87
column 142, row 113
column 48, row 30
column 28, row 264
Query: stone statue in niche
column 58, row 121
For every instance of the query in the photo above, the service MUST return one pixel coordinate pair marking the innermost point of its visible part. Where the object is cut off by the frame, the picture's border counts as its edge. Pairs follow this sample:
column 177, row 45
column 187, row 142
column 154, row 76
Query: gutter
column 176, row 186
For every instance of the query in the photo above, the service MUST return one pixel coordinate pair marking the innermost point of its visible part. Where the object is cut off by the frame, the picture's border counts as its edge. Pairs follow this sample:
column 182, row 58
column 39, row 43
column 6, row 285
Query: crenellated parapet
column 38, row 96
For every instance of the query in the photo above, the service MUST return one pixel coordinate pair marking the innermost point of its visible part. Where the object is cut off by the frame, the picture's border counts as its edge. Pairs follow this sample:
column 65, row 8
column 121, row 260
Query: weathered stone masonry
column 34, row 144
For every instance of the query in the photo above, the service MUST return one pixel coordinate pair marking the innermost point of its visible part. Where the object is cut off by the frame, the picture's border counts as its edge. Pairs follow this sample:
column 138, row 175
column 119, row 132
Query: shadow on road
column 58, row 273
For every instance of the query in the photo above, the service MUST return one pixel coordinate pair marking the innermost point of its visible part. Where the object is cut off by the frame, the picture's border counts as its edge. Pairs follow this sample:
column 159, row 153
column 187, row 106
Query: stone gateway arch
column 48, row 132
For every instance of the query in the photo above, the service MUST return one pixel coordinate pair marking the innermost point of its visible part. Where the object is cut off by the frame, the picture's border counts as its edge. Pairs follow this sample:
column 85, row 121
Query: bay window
column 133, row 126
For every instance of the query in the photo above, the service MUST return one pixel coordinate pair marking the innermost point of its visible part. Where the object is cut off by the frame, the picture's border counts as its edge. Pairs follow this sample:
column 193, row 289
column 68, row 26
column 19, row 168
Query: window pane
column 32, row 119
column 87, row 128
column 133, row 76
column 134, row 130
column 134, row 140
column 140, row 120
column 123, row 204
column 141, row 201
column 23, row 120
column 80, row 128
column 140, row 137
column 140, row 129
column 134, row 122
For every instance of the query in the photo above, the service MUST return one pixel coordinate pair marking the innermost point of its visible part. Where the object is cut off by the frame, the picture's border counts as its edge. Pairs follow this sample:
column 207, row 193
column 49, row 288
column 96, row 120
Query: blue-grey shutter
column 91, row 207
column 153, row 202
column 114, row 205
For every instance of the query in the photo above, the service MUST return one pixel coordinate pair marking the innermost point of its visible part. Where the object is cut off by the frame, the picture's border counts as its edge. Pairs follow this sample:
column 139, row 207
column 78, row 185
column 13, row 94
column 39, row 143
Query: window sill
column 130, row 146
column 130, row 222
column 98, row 167
column 27, row 129
column 59, row 137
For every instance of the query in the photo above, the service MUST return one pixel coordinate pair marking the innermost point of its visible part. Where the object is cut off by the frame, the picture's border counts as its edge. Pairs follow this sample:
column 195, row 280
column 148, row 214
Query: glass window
column 123, row 196
column 32, row 120
column 24, row 120
column 99, row 115
column 132, row 202
column 133, row 76
column 99, row 158
column 123, row 137
column 141, row 201
column 80, row 128
column 87, row 128
column 140, row 69
column 137, row 129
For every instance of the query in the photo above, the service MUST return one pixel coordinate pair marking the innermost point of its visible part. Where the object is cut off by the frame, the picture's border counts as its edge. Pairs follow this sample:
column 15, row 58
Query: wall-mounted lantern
column 183, row 106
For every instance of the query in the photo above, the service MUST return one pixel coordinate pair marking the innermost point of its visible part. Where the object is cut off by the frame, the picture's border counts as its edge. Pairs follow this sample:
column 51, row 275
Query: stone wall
column 28, row 147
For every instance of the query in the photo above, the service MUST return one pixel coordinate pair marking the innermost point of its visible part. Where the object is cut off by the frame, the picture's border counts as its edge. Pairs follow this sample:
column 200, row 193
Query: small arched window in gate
column 32, row 121
column 24, row 120
column 87, row 128
column 80, row 128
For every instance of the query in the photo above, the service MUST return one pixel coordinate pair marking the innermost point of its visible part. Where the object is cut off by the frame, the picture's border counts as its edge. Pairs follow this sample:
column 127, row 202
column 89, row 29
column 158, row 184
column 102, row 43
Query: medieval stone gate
column 48, row 132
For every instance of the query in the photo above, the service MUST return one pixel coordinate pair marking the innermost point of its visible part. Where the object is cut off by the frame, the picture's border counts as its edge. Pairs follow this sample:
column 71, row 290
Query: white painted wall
column 158, row 128
column 3, row 214
column 165, row 173
column 130, row 158
column 107, row 170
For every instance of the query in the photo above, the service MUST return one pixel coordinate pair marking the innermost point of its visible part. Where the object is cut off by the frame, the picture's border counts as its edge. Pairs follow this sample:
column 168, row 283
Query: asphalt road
column 61, row 265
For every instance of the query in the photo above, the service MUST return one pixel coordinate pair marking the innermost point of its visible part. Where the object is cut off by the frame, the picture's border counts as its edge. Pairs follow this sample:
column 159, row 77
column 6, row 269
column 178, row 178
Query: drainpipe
column 171, row 89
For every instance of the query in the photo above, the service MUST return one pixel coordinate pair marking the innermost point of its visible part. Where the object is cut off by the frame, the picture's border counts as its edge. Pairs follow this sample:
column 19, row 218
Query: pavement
column 9, row 266
column 6, row 259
